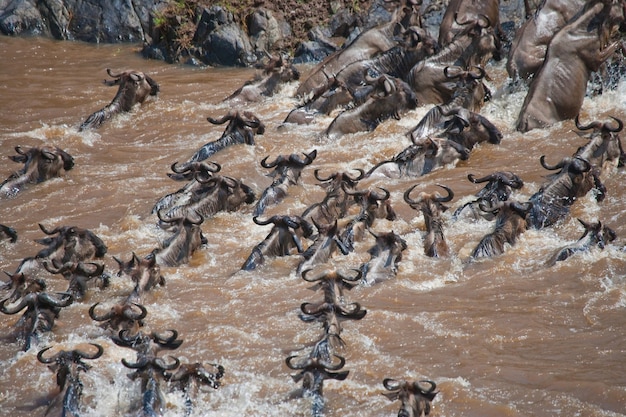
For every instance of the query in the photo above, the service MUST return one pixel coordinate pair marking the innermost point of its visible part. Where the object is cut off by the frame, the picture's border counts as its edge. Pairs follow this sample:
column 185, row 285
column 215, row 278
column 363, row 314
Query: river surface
column 501, row 337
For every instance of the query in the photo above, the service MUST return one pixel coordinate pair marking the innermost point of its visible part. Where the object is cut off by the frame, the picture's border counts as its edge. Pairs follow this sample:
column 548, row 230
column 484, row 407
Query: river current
column 501, row 337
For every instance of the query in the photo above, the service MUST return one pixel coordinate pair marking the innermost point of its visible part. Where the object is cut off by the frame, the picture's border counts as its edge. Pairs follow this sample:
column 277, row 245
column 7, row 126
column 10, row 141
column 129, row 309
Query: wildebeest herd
column 383, row 73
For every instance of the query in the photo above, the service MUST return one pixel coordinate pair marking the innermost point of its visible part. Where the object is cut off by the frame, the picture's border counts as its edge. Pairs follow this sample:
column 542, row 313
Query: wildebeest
column 287, row 170
column 145, row 273
column 336, row 203
column 189, row 375
column 150, row 370
column 194, row 173
column 471, row 48
column 421, row 158
column 42, row 309
column 396, row 98
column 284, row 237
column 415, row 400
column 134, row 88
column 499, row 186
column 431, row 206
column 558, row 89
column 120, row 316
column 528, row 48
column 333, row 283
column 278, row 70
column 79, row 274
column 242, row 127
column 21, row 284
column 313, row 370
column 460, row 11
column 214, row 194
column 373, row 205
column 357, row 81
column 366, row 45
column 70, row 244
column 8, row 233
column 574, row 179
column 604, row 150
column 385, row 255
column 67, row 365
column 510, row 224
column 596, row 235
column 186, row 238
column 41, row 163
column 324, row 247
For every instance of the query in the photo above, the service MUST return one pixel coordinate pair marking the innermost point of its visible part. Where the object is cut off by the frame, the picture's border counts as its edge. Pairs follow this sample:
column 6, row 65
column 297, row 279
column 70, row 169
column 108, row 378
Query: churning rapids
column 505, row 336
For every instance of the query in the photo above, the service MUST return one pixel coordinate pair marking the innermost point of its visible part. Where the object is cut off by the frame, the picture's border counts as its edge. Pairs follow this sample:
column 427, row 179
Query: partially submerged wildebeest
column 574, row 179
column 499, row 186
column 42, row 309
column 596, row 235
column 241, row 129
column 287, row 170
column 278, row 71
column 510, row 224
column 41, row 163
column 67, row 365
column 415, row 400
column 282, row 240
column 134, row 88
column 385, row 255
column 432, row 208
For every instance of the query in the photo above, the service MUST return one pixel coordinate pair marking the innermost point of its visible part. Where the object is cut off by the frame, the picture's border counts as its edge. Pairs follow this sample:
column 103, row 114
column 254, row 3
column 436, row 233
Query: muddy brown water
column 505, row 336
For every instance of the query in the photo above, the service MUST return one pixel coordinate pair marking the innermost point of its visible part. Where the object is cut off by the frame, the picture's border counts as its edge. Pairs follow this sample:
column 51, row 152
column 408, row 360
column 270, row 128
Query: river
column 501, row 337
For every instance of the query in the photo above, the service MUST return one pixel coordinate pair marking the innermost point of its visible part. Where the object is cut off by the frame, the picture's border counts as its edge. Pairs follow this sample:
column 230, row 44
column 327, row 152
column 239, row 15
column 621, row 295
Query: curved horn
column 293, row 366
column 386, row 194
column 316, row 173
column 278, row 160
column 393, row 384
column 51, row 232
column 114, row 75
column 51, row 359
column 143, row 361
column 359, row 177
column 592, row 125
column 308, row 158
column 459, row 72
column 304, row 274
column 620, row 126
column 85, row 355
column 449, row 197
column 19, row 150
column 432, row 384
column 486, row 178
column 56, row 302
column 560, row 165
column 104, row 317
column 272, row 219
column 407, row 197
column 129, row 314
column 160, row 363
column 23, row 303
column 229, row 116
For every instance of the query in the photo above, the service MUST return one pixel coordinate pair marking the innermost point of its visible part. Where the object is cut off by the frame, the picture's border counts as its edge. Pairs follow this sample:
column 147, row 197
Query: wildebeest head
column 416, row 401
column 134, row 88
column 41, row 163
column 605, row 145
column 121, row 316
column 70, row 243
column 68, row 363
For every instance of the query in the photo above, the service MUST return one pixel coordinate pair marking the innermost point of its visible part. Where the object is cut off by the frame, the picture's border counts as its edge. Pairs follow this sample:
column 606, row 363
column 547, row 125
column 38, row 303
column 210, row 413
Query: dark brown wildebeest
column 41, row 163
column 134, row 88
